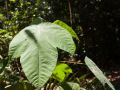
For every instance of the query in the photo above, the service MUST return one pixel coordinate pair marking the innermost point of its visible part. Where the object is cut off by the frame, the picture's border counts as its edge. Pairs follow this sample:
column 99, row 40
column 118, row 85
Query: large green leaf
column 98, row 73
column 68, row 28
column 36, row 45
column 61, row 72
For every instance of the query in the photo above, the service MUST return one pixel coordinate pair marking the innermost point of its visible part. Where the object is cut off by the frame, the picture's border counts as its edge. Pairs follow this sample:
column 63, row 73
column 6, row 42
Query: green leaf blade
column 61, row 72
column 98, row 73
column 42, row 67
column 68, row 28
column 37, row 20
column 36, row 45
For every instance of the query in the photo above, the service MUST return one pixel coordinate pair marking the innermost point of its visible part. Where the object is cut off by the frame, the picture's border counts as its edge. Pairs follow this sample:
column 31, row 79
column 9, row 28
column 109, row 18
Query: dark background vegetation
column 96, row 22
column 100, row 20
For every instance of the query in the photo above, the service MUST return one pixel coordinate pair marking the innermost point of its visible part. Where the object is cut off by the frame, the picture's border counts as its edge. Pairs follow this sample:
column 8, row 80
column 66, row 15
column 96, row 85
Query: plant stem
column 70, row 11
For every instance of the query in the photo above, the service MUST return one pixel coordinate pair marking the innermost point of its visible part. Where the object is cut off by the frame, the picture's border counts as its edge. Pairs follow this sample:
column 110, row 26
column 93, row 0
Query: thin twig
column 70, row 11
column 71, row 62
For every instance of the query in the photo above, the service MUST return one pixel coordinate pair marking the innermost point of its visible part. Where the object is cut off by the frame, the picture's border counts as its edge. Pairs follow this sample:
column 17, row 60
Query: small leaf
column 2, row 31
column 2, row 17
column 61, row 72
column 98, row 73
column 37, row 20
column 38, row 2
column 12, row 0
column 68, row 28
column 70, row 86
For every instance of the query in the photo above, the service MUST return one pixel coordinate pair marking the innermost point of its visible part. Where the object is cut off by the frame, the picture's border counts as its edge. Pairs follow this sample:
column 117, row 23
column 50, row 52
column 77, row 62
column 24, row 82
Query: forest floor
column 114, row 77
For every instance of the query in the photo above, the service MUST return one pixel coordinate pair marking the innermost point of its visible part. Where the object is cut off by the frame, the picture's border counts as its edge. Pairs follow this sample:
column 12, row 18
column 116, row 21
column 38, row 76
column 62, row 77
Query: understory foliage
column 37, row 46
column 40, row 54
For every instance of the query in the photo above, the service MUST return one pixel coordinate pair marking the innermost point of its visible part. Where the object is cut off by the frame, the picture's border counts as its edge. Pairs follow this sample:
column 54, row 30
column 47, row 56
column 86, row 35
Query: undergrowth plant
column 37, row 47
